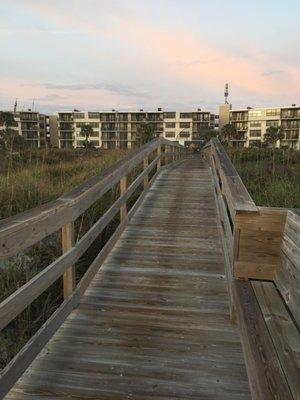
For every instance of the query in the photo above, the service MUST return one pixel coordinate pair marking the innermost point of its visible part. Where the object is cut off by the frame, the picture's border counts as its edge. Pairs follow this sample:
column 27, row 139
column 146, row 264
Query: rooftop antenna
column 15, row 106
column 226, row 93
column 32, row 105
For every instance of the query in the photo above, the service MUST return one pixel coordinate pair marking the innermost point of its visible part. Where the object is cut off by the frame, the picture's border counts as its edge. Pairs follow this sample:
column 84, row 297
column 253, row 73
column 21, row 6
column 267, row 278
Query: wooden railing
column 252, row 234
column 20, row 232
column 261, row 247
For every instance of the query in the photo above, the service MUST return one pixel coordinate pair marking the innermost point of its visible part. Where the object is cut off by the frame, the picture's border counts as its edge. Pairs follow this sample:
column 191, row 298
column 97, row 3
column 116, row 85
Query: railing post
column 146, row 178
column 123, row 187
column 67, row 240
column 167, row 157
column 159, row 160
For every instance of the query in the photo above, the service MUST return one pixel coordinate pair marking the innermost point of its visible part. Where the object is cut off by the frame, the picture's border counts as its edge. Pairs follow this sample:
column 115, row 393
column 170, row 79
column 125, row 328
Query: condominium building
column 119, row 129
column 252, row 124
column 32, row 126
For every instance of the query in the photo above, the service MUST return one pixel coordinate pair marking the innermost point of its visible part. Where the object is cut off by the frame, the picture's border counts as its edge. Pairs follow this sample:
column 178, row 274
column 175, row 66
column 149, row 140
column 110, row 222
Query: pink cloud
column 177, row 56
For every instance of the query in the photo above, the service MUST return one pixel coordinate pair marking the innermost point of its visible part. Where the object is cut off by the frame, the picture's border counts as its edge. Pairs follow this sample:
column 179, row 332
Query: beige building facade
column 119, row 129
column 32, row 126
column 252, row 124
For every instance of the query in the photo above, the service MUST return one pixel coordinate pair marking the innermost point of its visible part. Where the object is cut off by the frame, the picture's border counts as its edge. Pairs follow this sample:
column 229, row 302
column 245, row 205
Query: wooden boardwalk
column 154, row 323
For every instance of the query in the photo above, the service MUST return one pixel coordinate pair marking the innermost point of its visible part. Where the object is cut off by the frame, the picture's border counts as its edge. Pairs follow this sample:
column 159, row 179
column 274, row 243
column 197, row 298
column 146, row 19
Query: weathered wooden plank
column 154, row 321
column 123, row 208
column 285, row 335
column 28, row 353
column 21, row 298
column 67, row 238
column 288, row 273
column 266, row 377
column 258, row 245
column 235, row 191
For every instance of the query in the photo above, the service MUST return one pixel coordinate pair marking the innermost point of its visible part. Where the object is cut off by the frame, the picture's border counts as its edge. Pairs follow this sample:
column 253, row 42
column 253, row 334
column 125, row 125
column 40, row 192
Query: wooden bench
column 262, row 249
column 269, row 323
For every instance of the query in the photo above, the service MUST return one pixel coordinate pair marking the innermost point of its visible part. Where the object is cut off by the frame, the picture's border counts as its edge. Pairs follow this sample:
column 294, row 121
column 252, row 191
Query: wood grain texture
column 20, row 299
column 154, row 322
column 284, row 333
column 288, row 274
column 67, row 241
column 28, row 353
column 266, row 377
column 237, row 196
column 259, row 243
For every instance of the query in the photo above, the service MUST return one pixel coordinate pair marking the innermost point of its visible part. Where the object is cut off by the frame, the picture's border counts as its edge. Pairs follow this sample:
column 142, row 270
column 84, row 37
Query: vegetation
column 229, row 134
column 272, row 176
column 273, row 135
column 145, row 133
column 87, row 131
column 10, row 140
column 205, row 134
column 33, row 177
column 28, row 179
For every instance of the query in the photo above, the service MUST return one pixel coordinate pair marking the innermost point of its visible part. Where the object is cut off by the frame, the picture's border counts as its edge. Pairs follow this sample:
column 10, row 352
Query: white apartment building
column 252, row 124
column 32, row 126
column 119, row 129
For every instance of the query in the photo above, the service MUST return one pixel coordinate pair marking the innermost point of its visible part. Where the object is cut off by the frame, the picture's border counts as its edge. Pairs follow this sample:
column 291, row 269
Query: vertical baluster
column 146, row 178
column 159, row 160
column 167, row 152
column 67, row 240
column 123, row 187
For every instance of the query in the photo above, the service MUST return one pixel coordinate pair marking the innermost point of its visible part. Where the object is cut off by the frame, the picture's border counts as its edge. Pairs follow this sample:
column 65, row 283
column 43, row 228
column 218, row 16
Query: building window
column 239, row 115
column 255, row 124
column 123, row 117
column 184, row 124
column 108, row 126
column 274, row 123
column 170, row 115
column 186, row 115
column 292, row 135
column 92, row 124
column 170, row 134
column 170, row 124
column 94, row 115
column 122, row 126
column 255, row 133
column 273, row 112
column 79, row 115
column 254, row 113
column 184, row 134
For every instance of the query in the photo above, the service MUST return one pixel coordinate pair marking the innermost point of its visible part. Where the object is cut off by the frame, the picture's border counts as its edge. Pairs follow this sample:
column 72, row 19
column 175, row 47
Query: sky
column 132, row 54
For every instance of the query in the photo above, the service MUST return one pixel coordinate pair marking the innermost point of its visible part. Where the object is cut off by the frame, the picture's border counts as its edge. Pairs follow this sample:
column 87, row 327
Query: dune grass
column 35, row 177
column 272, row 178
column 28, row 180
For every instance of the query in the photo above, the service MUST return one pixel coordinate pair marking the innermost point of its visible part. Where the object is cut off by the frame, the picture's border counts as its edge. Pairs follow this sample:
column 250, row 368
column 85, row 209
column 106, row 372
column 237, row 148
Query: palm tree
column 229, row 133
column 86, row 131
column 272, row 135
column 145, row 133
column 205, row 134
column 9, row 138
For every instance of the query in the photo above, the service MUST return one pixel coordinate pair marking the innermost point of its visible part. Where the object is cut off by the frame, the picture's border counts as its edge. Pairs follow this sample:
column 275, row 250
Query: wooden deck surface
column 154, row 323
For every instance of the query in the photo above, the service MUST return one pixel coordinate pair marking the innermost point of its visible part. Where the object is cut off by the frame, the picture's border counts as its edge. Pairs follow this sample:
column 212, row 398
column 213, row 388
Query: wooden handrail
column 24, row 230
column 252, row 241
column 233, row 188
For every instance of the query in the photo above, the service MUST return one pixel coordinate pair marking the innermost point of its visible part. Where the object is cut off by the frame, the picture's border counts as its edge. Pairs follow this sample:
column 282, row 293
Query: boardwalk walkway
column 154, row 323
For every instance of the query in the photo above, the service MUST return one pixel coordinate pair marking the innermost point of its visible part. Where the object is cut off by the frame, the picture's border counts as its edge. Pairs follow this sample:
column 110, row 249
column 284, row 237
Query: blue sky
column 130, row 54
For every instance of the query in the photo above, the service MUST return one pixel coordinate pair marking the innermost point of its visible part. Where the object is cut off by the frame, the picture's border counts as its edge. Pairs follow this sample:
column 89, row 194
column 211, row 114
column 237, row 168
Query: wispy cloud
column 121, row 54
